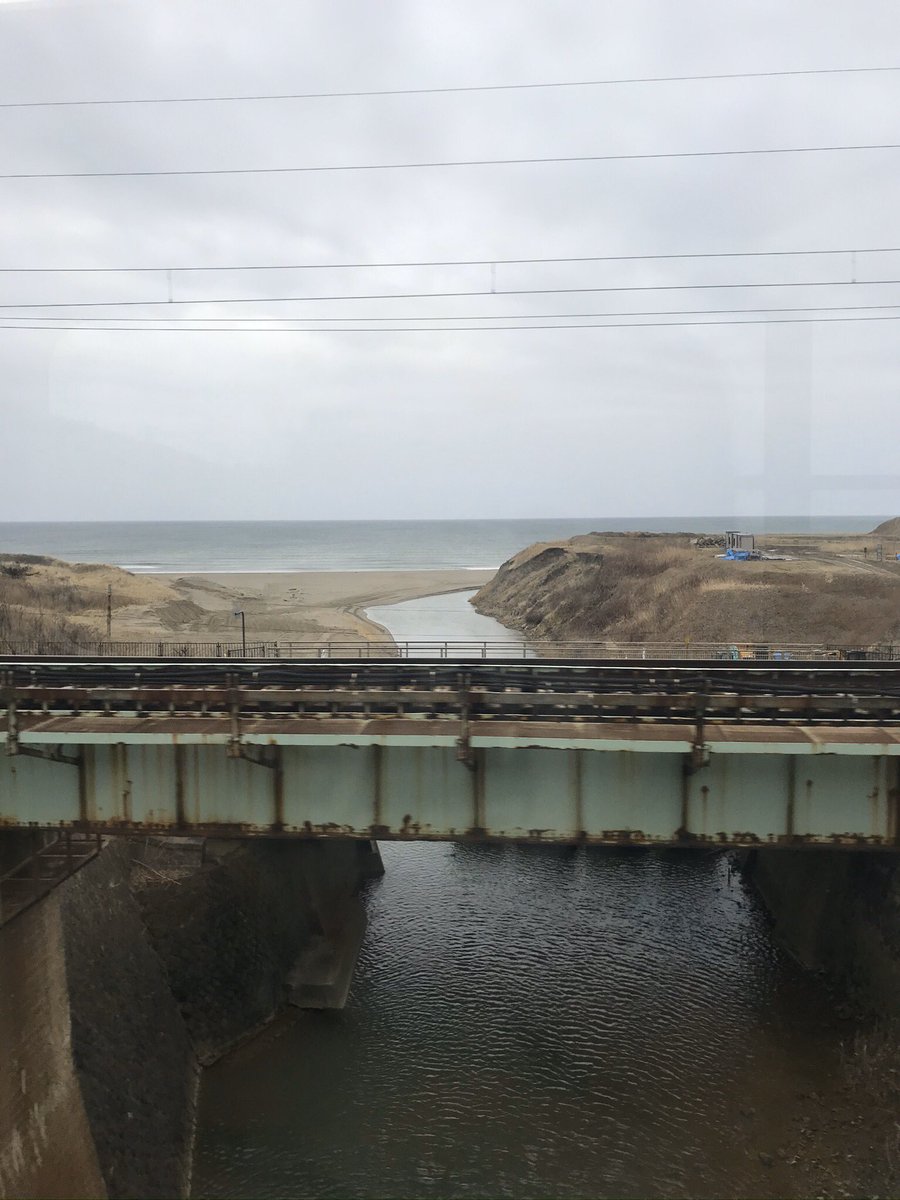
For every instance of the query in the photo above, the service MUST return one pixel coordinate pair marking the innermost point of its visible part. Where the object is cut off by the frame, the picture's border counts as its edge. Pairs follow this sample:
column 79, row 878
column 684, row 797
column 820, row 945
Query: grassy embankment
column 43, row 599
column 640, row 587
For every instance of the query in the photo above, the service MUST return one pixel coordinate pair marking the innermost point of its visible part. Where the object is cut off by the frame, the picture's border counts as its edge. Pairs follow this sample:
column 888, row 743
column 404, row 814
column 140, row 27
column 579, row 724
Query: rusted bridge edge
column 570, row 757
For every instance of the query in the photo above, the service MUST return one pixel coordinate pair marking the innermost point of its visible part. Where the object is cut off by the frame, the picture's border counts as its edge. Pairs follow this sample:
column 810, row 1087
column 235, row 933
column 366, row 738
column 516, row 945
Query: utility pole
column 239, row 612
column 109, row 612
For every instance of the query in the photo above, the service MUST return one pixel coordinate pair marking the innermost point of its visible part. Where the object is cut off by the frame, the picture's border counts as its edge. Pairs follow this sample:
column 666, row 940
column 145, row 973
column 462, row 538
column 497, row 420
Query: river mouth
column 428, row 623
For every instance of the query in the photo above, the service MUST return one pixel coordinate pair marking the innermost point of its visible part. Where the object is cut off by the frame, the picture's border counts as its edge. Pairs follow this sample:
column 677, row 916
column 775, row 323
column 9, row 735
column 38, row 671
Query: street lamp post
column 239, row 612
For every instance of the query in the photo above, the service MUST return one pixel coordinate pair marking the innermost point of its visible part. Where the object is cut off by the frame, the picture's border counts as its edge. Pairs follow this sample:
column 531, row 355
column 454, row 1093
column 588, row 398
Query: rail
column 108, row 692
column 455, row 649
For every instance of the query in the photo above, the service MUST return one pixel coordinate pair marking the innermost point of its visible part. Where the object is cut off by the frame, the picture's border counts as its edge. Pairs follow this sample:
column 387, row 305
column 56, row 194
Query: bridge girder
column 706, row 755
column 640, row 784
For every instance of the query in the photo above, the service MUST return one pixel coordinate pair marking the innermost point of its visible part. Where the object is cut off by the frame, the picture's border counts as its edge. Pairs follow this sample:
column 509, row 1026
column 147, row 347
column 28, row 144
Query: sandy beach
column 284, row 606
column 47, row 599
column 829, row 586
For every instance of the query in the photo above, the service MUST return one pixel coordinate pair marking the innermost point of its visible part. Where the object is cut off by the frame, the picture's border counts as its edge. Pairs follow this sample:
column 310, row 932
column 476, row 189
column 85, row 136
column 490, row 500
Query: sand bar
column 51, row 600
column 293, row 606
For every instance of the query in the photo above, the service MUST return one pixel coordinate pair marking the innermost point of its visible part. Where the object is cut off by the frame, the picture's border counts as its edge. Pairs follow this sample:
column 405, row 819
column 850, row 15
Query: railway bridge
column 300, row 765
column 701, row 753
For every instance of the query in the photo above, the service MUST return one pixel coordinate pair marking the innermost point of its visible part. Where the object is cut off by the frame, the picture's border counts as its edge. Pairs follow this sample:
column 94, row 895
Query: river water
column 531, row 1022
column 416, row 624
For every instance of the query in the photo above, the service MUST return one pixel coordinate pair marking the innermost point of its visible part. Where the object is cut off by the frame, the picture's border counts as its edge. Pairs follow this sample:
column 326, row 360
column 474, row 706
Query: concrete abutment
column 150, row 962
column 837, row 912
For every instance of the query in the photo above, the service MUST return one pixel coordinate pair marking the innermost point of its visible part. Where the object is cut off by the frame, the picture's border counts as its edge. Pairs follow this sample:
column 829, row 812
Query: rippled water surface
column 530, row 1022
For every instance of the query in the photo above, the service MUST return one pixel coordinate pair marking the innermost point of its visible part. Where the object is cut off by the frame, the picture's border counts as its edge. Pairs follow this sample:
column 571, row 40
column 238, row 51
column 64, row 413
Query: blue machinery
column 702, row 754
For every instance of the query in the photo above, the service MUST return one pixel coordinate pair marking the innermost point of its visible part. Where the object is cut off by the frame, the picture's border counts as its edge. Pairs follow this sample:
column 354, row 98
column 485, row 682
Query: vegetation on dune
column 637, row 587
column 18, row 560
column 41, row 604
column 47, row 600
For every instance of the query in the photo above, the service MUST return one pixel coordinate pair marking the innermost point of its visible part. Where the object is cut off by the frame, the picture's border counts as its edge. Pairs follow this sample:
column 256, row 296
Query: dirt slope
column 661, row 588
column 48, row 600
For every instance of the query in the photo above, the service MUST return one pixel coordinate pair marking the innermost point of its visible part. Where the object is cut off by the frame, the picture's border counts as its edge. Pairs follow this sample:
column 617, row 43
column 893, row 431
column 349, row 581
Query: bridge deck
column 718, row 754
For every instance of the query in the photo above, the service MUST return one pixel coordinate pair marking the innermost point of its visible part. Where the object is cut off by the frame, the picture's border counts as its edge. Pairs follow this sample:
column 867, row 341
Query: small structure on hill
column 735, row 540
column 739, row 546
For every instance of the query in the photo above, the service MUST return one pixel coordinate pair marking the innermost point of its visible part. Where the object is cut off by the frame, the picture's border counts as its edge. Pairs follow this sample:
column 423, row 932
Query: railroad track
column 478, row 691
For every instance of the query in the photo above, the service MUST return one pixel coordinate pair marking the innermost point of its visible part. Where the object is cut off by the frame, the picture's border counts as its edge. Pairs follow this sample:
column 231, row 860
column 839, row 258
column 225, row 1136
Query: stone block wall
column 117, row 985
column 46, row 1146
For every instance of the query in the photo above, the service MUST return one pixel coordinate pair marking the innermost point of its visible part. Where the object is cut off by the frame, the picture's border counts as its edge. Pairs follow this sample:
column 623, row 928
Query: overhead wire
column 437, row 91
column 447, row 163
column 454, row 329
column 450, row 262
column 661, row 287
column 665, row 312
column 327, row 324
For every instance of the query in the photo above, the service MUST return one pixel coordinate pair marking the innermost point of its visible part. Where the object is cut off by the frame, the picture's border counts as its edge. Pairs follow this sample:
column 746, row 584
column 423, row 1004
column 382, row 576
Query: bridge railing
column 451, row 649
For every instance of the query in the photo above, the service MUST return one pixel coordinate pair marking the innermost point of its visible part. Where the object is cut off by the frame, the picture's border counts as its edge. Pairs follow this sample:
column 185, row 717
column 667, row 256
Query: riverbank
column 617, row 586
column 49, row 600
column 311, row 605
column 677, row 588
column 838, row 915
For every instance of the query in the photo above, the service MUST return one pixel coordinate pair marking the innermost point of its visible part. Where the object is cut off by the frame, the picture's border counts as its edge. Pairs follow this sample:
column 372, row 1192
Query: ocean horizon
column 221, row 547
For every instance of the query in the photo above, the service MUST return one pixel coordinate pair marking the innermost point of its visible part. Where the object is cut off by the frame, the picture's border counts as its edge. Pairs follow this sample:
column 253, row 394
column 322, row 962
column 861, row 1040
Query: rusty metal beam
column 445, row 754
column 562, row 789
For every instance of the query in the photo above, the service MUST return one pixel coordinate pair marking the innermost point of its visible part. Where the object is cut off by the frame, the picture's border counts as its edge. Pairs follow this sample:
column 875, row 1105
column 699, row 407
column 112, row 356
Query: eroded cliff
column 642, row 587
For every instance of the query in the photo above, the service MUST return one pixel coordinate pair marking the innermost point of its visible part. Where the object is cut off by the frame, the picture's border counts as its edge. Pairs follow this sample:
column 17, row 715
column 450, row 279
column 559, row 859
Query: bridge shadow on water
column 533, row 1021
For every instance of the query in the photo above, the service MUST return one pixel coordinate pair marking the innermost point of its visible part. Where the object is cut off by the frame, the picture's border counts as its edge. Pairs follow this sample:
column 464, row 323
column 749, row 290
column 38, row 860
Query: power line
column 454, row 329
column 664, row 287
column 663, row 312
column 449, row 262
column 469, row 162
column 443, row 91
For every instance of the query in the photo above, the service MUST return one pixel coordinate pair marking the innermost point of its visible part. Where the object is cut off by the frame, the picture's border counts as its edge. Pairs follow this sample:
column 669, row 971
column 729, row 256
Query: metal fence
column 449, row 649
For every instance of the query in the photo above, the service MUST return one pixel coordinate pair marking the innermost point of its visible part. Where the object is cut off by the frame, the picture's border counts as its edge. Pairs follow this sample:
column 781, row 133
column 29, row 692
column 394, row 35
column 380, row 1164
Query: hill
column 43, row 599
column 639, row 587
column 890, row 529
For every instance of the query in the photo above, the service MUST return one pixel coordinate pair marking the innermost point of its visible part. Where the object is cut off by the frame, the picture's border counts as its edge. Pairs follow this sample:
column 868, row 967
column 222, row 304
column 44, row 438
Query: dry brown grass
column 34, row 607
column 44, row 600
column 660, row 588
column 20, row 625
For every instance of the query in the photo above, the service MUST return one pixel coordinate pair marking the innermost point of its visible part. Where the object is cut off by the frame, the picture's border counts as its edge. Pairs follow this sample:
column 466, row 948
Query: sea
column 179, row 547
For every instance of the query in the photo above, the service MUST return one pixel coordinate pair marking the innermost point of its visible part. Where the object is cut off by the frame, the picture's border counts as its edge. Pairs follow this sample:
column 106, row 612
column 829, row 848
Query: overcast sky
column 439, row 423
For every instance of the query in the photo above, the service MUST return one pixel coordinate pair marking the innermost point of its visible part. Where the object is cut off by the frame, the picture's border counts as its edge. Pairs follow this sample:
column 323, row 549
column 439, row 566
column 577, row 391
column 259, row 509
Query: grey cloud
column 614, row 422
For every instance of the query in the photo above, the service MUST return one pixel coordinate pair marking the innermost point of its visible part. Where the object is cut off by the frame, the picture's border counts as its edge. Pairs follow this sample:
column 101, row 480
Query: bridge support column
column 322, row 973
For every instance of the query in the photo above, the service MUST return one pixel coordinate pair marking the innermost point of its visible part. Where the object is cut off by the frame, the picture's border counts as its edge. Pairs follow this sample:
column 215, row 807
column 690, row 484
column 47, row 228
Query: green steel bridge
column 697, row 753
